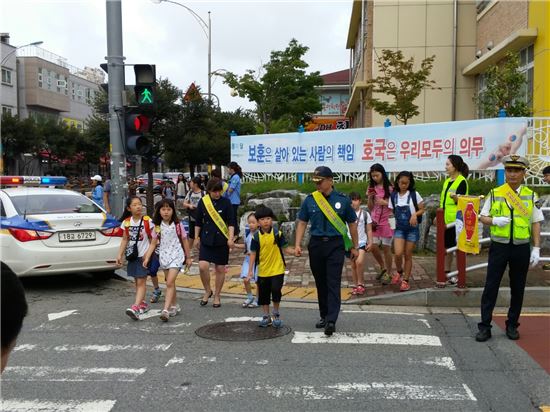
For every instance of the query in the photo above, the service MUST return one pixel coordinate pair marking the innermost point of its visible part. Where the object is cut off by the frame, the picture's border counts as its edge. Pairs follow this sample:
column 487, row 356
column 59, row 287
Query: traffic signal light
column 137, row 124
column 145, row 85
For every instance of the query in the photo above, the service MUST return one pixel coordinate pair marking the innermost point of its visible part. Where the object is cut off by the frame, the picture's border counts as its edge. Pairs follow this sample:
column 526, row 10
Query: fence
column 460, row 256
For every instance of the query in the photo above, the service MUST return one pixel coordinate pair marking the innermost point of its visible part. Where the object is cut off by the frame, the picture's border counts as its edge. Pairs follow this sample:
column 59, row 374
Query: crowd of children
column 390, row 217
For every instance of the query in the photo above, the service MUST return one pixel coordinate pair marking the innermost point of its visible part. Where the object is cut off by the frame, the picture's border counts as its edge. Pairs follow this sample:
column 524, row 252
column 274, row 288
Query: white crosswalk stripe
column 367, row 338
column 16, row 405
column 76, row 374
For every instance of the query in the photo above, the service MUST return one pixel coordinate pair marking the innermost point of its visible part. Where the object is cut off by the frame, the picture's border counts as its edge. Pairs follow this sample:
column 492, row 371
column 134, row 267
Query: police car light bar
column 33, row 180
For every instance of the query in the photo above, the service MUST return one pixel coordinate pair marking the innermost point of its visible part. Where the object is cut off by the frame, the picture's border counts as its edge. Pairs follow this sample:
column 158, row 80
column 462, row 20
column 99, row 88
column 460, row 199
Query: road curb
column 535, row 296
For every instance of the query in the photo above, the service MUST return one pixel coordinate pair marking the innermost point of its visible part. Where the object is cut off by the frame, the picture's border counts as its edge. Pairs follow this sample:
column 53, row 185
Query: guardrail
column 441, row 252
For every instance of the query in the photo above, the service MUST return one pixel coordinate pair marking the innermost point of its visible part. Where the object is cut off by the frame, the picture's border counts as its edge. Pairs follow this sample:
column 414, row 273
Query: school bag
column 179, row 234
column 412, row 194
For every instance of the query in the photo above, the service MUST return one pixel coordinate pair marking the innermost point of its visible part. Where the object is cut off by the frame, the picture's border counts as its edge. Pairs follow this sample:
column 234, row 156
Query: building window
column 527, row 67
column 7, row 110
column 40, row 77
column 6, row 76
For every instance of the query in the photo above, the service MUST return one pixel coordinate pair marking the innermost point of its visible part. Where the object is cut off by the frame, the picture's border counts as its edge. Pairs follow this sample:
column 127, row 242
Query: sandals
column 248, row 302
column 205, row 302
column 358, row 290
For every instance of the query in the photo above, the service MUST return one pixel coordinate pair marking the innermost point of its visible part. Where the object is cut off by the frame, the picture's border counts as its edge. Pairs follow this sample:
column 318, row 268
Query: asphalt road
column 80, row 352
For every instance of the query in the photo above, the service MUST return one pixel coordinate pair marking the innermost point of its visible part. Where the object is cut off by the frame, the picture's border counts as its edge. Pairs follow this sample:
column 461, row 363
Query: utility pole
column 115, row 66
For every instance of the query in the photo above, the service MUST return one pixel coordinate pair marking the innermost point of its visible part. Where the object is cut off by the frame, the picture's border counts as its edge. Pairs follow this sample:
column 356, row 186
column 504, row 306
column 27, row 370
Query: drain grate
column 240, row 331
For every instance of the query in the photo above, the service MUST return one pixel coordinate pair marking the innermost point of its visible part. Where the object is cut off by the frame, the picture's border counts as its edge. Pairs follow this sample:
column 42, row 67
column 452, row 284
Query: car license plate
column 77, row 236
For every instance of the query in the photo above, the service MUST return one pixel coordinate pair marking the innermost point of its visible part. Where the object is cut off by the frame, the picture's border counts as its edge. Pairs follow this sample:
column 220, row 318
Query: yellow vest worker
column 514, row 215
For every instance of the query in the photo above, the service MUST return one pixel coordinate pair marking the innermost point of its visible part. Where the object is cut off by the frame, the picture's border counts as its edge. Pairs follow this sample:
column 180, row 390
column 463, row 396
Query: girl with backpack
column 137, row 233
column 171, row 237
column 408, row 207
column 378, row 198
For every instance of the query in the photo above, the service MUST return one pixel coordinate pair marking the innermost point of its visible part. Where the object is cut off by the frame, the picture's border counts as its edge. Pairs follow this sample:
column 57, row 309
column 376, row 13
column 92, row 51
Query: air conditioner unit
column 62, row 84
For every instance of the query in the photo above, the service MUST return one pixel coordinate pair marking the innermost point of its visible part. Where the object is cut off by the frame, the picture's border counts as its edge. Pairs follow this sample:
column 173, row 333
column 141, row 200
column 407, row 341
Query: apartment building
column 8, row 95
column 419, row 28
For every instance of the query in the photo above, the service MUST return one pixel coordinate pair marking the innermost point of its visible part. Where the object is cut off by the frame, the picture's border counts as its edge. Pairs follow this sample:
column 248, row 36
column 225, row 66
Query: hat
column 516, row 161
column 264, row 211
column 97, row 177
column 320, row 173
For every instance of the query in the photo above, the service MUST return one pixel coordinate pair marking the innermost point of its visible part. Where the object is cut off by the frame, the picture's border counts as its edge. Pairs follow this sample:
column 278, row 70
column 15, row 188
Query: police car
column 45, row 230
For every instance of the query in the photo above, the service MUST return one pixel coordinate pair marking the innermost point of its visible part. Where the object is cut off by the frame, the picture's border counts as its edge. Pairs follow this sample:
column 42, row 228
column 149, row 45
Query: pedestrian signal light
column 137, row 125
column 145, row 85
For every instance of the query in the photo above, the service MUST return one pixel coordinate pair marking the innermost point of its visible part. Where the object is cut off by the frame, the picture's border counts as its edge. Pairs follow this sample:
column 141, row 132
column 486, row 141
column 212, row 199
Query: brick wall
column 501, row 20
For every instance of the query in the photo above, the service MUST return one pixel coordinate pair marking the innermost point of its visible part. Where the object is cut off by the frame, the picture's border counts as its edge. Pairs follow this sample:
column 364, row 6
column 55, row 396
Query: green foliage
column 19, row 136
column 400, row 82
column 504, row 89
column 282, row 218
column 284, row 94
column 296, row 201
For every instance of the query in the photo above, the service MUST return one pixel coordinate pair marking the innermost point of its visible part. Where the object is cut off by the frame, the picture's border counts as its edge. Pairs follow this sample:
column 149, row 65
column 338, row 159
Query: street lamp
column 34, row 43
column 207, row 29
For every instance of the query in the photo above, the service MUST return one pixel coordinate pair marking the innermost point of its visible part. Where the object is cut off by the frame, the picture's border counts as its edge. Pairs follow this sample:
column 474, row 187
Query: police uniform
column 326, row 249
column 510, row 246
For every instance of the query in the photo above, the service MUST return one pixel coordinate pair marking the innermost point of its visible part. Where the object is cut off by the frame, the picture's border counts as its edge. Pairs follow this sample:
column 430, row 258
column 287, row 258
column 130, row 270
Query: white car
column 47, row 231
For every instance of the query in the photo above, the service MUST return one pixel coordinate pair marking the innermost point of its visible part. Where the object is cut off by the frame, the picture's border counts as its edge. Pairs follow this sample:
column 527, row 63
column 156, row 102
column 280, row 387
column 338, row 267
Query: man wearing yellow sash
column 513, row 213
column 330, row 214
column 214, row 231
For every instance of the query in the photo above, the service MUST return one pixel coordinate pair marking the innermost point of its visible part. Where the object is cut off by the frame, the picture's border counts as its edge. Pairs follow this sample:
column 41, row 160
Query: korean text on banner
column 467, row 222
column 514, row 200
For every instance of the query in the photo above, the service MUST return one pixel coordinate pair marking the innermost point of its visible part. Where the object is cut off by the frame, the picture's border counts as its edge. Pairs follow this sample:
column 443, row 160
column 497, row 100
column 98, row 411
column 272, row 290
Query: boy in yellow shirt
column 266, row 249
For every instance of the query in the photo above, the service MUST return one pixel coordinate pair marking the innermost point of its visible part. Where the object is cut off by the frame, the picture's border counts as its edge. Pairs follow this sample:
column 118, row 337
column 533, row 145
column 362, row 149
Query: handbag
column 134, row 254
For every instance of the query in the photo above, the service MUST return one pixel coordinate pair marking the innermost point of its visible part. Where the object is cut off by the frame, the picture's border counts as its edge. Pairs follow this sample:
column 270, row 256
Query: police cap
column 515, row 161
column 320, row 173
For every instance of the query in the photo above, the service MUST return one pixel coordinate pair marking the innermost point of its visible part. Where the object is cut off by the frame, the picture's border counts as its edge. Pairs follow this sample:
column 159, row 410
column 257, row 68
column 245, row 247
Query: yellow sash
column 332, row 217
column 514, row 200
column 215, row 215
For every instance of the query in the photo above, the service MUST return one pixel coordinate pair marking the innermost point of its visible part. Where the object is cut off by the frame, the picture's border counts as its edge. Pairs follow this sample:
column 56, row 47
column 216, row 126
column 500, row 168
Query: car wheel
column 104, row 275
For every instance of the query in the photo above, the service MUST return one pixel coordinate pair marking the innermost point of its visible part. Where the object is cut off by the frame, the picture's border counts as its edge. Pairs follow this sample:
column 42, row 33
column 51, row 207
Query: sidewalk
column 300, row 285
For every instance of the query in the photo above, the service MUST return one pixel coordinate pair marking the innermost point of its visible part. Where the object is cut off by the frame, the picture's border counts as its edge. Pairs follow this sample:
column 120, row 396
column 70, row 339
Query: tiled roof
column 340, row 77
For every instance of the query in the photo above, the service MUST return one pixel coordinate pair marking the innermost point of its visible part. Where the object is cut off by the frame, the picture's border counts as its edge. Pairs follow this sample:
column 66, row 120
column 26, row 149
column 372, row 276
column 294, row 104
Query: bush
column 296, row 201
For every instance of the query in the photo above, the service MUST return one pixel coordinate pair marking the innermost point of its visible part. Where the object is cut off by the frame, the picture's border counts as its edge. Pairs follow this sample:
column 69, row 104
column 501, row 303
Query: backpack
column 147, row 227
column 179, row 234
column 276, row 237
column 412, row 195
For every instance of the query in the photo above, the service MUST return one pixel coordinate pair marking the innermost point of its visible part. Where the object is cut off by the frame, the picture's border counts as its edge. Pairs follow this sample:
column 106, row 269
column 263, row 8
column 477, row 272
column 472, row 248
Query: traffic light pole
column 115, row 65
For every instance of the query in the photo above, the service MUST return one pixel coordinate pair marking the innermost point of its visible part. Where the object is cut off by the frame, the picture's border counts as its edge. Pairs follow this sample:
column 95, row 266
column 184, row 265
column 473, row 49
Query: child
column 190, row 203
column 135, row 242
column 408, row 208
column 266, row 249
column 253, row 226
column 378, row 197
column 171, row 238
column 364, row 230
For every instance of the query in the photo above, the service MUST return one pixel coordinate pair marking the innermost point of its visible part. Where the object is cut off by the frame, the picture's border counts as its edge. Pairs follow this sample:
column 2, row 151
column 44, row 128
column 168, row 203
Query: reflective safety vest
column 520, row 227
column 447, row 202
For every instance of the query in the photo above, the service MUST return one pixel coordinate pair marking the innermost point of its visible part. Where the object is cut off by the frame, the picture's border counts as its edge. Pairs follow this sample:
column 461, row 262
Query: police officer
column 327, row 244
column 513, row 228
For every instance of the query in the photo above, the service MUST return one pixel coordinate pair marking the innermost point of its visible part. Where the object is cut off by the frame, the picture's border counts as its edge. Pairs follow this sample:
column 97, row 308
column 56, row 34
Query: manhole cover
column 240, row 331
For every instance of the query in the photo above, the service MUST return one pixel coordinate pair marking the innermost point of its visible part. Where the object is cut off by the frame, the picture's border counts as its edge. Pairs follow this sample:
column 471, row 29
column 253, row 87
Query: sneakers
column 143, row 307
column 358, row 290
column 404, row 286
column 133, row 312
column 396, row 278
column 386, row 278
column 452, row 281
column 174, row 310
column 248, row 302
column 155, row 296
column 381, row 274
column 277, row 322
column 254, row 304
column 265, row 322
column 164, row 315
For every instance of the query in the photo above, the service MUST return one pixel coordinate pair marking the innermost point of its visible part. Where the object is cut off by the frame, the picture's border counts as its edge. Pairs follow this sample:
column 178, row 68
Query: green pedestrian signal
column 146, row 97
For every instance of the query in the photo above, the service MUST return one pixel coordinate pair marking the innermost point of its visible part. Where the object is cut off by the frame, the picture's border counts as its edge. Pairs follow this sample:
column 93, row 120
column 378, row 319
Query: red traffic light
column 138, row 123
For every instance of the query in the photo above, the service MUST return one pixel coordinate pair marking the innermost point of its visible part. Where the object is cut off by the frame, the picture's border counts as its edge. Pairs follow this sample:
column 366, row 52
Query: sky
column 243, row 35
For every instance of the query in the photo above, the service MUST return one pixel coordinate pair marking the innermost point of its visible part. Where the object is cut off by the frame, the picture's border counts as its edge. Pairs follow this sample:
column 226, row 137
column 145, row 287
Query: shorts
column 450, row 237
column 191, row 231
column 385, row 241
column 270, row 286
column 135, row 268
column 410, row 235
column 154, row 265
column 173, row 264
column 244, row 270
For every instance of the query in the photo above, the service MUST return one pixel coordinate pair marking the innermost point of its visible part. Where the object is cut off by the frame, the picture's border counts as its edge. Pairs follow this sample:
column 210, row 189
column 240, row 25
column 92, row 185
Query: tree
column 399, row 81
column 59, row 140
column 19, row 136
column 281, row 88
column 505, row 89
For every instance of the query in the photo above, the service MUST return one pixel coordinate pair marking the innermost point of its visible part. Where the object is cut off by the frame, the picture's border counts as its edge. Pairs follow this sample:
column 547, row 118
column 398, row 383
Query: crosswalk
column 101, row 371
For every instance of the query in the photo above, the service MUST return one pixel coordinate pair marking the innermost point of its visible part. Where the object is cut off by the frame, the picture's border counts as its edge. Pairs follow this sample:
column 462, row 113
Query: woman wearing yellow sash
column 214, row 230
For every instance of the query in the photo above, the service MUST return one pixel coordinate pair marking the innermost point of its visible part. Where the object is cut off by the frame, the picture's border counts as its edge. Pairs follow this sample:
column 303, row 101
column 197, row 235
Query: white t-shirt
column 536, row 215
column 143, row 242
column 402, row 201
column 363, row 218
